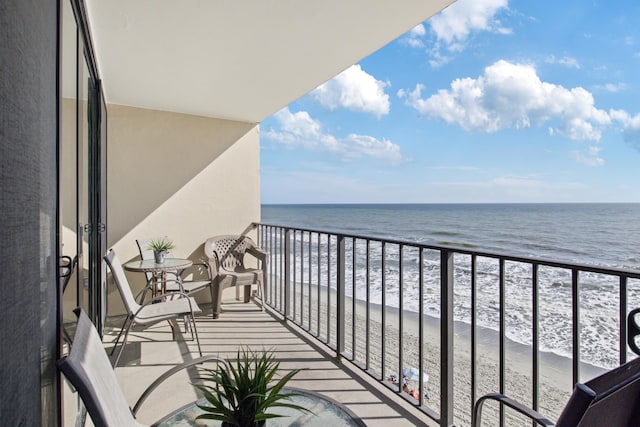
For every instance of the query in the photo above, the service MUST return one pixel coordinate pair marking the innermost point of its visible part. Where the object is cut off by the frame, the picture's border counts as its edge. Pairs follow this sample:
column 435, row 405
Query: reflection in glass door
column 68, row 166
column 82, row 166
column 82, row 180
column 84, row 146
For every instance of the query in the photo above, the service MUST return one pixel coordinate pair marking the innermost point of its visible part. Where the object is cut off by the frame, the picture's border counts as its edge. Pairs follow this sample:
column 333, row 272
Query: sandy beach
column 555, row 383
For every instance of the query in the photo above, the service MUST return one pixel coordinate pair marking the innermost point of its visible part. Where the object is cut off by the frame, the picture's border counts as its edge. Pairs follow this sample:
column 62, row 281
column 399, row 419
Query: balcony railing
column 473, row 321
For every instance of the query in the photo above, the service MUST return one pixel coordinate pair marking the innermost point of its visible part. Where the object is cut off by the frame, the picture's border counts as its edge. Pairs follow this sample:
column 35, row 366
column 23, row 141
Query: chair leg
column 216, row 299
column 124, row 342
column 195, row 330
column 238, row 293
column 261, row 290
column 119, row 335
column 247, row 293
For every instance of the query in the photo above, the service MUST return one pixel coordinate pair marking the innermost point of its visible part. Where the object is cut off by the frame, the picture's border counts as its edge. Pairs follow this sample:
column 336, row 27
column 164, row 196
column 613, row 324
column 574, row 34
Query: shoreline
column 555, row 383
column 489, row 337
column 555, row 371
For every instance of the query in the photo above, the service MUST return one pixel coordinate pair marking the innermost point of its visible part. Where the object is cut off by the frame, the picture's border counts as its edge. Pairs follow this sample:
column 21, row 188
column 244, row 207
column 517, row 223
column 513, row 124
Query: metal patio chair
column 153, row 311
column 179, row 284
column 611, row 399
column 226, row 256
column 88, row 369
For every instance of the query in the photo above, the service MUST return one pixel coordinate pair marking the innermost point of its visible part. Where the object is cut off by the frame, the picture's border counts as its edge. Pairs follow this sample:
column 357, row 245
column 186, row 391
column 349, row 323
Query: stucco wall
column 181, row 176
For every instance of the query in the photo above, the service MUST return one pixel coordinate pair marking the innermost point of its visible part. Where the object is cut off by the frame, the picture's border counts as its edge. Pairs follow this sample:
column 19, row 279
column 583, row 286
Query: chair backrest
column 122, row 283
column 87, row 367
column 229, row 249
column 611, row 399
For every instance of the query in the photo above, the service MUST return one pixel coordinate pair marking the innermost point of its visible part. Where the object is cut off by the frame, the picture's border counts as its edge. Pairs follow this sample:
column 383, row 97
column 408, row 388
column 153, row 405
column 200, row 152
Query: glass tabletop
column 326, row 412
column 151, row 265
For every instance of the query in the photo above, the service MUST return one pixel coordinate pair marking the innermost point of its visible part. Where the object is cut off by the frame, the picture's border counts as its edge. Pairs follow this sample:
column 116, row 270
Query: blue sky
column 489, row 101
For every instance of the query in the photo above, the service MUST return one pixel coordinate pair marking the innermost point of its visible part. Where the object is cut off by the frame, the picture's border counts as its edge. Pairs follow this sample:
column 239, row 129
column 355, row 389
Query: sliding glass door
column 82, row 179
column 82, row 169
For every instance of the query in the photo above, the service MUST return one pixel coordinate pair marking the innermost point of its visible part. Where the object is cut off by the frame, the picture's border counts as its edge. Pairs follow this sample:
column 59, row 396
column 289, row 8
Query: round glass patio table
column 159, row 271
column 326, row 412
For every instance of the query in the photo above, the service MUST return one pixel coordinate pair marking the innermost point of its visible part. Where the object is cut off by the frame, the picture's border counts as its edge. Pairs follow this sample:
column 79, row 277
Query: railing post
column 287, row 267
column 623, row 320
column 446, row 337
column 575, row 302
column 340, row 327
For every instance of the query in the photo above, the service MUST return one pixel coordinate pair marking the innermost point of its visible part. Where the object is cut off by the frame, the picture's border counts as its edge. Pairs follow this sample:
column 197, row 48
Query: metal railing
column 377, row 303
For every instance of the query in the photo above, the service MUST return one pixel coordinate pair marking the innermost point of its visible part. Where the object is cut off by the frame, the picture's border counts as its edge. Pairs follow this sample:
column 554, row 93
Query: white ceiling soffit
column 237, row 59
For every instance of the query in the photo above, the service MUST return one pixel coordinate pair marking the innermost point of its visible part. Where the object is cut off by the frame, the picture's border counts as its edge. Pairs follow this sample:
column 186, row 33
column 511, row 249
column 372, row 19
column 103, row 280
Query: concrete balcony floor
column 152, row 351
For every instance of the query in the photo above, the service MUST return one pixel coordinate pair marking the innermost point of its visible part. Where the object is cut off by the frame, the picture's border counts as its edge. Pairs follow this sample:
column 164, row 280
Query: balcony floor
column 150, row 352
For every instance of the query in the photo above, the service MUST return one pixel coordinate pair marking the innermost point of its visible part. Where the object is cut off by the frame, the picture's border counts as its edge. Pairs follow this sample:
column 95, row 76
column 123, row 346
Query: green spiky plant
column 243, row 395
column 162, row 244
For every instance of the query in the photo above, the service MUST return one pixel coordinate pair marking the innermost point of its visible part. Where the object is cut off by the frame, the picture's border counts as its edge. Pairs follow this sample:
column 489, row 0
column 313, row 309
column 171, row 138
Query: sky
column 490, row 101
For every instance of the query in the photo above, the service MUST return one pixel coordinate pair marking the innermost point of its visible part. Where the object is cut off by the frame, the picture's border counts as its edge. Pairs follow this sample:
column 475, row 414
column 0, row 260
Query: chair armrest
column 161, row 298
column 214, row 265
column 513, row 404
column 258, row 253
column 173, row 371
column 201, row 265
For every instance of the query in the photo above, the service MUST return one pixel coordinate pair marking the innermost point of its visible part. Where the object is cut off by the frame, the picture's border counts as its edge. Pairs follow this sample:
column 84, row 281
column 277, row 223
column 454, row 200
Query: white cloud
column 356, row 90
column 301, row 130
column 630, row 126
column 438, row 59
column 453, row 25
column 512, row 95
column 611, row 87
column 589, row 157
column 418, row 31
column 565, row 61
column 414, row 36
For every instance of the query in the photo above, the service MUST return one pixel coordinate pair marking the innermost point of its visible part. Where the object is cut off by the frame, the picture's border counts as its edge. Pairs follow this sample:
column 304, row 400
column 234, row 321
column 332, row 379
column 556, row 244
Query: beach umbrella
column 413, row 374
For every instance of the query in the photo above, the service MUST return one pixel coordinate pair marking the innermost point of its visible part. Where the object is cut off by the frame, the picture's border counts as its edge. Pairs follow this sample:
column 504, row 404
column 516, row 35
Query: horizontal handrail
column 634, row 274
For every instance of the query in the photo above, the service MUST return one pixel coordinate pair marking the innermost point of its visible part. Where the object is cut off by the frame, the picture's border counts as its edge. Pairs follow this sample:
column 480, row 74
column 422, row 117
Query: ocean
column 598, row 234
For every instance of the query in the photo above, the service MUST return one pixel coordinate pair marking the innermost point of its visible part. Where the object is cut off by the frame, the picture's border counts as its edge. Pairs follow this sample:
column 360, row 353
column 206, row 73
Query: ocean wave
column 569, row 233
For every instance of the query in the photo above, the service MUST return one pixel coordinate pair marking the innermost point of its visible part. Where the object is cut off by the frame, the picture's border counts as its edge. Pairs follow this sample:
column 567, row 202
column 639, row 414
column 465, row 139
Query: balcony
column 151, row 352
column 333, row 311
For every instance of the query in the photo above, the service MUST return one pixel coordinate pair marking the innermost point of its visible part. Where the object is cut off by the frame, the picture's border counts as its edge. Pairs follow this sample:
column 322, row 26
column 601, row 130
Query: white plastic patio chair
column 151, row 312
column 226, row 256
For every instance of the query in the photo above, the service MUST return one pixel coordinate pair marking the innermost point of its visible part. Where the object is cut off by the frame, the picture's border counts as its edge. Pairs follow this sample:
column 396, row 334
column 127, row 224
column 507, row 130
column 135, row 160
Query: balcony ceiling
column 237, row 59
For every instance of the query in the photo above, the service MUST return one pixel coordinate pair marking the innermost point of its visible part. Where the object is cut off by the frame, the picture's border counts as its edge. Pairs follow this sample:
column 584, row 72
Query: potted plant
column 160, row 247
column 242, row 395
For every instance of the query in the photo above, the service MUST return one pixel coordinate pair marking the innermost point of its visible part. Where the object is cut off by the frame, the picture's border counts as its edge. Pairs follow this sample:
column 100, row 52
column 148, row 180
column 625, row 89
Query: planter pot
column 159, row 256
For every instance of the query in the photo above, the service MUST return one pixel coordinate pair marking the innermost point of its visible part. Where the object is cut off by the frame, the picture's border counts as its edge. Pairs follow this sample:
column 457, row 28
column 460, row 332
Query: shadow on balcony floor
column 152, row 351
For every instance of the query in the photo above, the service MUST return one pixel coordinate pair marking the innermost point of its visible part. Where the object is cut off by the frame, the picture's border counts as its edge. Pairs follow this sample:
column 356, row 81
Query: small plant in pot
column 242, row 395
column 160, row 248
